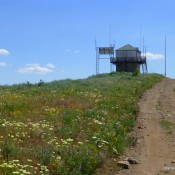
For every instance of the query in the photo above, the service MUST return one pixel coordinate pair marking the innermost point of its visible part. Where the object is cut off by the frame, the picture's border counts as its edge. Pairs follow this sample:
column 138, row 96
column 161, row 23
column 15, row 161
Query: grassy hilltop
column 68, row 127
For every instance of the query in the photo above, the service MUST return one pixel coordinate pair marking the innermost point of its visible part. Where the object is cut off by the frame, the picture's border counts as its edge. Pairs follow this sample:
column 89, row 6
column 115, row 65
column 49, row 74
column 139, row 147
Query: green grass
column 168, row 126
column 68, row 127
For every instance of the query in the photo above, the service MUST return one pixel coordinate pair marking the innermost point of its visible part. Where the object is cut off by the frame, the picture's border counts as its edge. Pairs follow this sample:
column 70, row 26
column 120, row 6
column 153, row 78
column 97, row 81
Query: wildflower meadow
column 68, row 127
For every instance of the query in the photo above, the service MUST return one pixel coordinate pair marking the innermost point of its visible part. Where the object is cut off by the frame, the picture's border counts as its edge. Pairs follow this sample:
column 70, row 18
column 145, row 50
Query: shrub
column 136, row 73
column 8, row 149
column 79, row 160
column 44, row 154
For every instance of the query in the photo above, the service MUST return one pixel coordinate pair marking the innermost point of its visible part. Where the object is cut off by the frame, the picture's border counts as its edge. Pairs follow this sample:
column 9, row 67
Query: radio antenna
column 110, row 35
column 165, row 56
column 140, row 38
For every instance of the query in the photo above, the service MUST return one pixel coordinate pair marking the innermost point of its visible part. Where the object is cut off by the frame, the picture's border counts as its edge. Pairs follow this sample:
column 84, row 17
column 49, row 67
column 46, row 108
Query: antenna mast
column 143, row 46
column 140, row 38
column 97, row 57
column 165, row 56
column 110, row 35
column 110, row 45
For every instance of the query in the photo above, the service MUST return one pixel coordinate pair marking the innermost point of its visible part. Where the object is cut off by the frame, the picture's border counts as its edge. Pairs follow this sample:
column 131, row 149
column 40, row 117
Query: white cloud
column 2, row 64
column 4, row 52
column 37, row 68
column 154, row 56
column 51, row 66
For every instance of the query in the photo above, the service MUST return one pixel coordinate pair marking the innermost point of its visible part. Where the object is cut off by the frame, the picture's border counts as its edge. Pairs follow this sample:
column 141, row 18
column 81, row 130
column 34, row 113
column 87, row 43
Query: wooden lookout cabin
column 128, row 59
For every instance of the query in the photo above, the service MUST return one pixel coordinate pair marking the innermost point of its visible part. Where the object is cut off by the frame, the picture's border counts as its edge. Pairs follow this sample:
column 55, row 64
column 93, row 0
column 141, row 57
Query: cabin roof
column 128, row 47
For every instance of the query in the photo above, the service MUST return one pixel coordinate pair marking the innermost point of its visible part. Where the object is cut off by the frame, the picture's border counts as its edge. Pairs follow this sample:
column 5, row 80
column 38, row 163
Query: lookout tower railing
column 141, row 60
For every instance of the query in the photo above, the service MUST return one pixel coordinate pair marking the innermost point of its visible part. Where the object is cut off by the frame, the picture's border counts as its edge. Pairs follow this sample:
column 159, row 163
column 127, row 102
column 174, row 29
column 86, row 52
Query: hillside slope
column 68, row 127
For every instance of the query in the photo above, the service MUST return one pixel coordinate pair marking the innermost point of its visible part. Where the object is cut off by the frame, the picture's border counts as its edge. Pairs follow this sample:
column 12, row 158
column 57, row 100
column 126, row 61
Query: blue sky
column 55, row 39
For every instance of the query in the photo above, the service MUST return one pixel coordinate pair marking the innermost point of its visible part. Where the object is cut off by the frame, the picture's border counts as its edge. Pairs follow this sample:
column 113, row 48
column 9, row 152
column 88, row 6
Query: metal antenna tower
column 103, row 53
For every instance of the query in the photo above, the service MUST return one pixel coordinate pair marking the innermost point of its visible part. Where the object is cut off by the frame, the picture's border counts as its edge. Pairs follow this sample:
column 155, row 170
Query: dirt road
column 155, row 130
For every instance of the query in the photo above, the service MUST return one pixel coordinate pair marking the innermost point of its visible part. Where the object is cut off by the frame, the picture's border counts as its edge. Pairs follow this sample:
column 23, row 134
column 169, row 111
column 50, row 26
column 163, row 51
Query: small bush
column 41, row 83
column 136, row 73
column 79, row 160
column 168, row 126
column 44, row 154
column 9, row 150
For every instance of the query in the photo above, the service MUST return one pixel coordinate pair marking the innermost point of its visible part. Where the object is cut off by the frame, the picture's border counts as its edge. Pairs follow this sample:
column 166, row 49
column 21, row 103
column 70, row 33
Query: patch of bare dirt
column 155, row 131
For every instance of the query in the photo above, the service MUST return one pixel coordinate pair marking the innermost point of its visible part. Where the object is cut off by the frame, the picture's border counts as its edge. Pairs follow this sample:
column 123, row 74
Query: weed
column 41, row 83
column 8, row 149
column 168, row 126
column 79, row 160
column 136, row 72
column 44, row 154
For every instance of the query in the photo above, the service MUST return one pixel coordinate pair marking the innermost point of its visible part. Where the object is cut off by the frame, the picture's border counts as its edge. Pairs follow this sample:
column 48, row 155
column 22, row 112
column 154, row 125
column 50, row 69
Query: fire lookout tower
column 128, row 59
